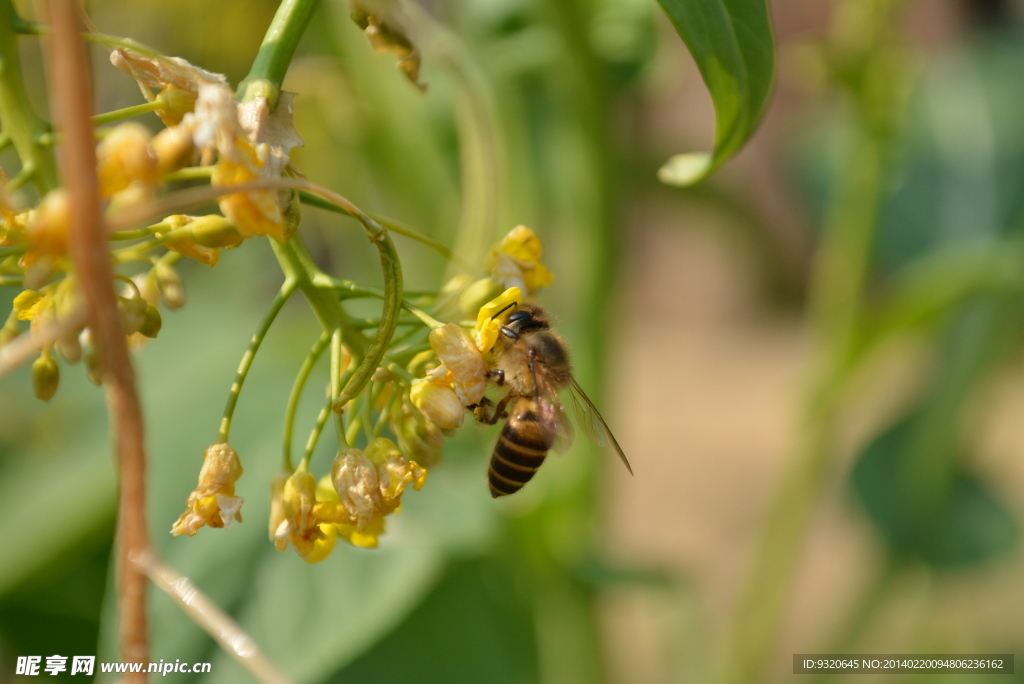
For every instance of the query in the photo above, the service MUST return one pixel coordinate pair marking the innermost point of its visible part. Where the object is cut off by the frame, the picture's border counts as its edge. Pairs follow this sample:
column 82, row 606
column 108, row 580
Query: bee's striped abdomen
column 520, row 450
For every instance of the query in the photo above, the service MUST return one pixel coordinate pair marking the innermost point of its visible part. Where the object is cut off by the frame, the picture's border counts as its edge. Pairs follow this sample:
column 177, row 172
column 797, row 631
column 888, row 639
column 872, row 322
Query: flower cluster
column 420, row 401
column 205, row 128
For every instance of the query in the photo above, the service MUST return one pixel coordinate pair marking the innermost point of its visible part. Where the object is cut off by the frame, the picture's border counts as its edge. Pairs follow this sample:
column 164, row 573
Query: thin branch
column 205, row 613
column 72, row 97
column 25, row 347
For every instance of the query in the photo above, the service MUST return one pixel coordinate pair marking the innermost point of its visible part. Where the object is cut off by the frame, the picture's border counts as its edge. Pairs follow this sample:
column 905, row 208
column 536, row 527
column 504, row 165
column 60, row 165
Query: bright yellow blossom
column 492, row 316
column 213, row 501
column 516, row 261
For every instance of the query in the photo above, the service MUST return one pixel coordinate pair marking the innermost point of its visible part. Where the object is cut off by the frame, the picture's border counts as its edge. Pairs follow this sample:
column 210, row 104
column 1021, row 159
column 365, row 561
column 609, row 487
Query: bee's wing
column 553, row 416
column 591, row 422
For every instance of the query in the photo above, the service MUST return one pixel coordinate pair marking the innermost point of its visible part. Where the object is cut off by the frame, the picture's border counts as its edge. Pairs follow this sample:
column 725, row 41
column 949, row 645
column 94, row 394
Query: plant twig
column 72, row 98
column 205, row 613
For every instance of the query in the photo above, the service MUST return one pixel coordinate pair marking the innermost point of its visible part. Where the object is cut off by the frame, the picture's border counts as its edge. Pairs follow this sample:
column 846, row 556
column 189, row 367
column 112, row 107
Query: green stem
column 276, row 52
column 336, row 391
column 250, row 354
column 297, row 265
column 19, row 119
column 348, row 286
column 392, row 269
column 127, row 112
column 296, row 394
column 314, row 435
column 189, row 174
column 392, row 225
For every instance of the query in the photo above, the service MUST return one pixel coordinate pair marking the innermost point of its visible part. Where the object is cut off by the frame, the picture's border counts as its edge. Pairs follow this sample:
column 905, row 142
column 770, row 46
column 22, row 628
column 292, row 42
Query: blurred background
column 813, row 359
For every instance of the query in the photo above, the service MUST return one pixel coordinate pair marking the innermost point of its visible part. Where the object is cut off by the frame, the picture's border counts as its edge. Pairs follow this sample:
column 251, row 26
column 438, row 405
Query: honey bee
column 533, row 361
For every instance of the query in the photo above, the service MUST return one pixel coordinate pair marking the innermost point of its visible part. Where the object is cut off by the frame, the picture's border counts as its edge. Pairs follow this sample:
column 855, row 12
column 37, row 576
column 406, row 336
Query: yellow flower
column 124, row 159
column 436, row 399
column 463, row 360
column 337, row 523
column 492, row 316
column 47, row 228
column 213, row 501
column 292, row 503
column 369, row 487
column 257, row 212
column 516, row 261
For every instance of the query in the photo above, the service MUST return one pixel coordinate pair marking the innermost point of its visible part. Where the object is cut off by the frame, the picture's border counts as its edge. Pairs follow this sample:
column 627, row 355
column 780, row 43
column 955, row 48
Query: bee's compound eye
column 519, row 317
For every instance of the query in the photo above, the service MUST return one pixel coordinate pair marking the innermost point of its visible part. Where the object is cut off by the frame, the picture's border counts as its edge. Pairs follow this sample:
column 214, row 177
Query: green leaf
column 967, row 526
column 733, row 45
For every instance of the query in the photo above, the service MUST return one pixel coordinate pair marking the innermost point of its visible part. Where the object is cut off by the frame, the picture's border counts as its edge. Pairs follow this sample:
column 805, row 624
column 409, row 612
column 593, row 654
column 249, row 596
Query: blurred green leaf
column 477, row 606
column 733, row 45
column 968, row 526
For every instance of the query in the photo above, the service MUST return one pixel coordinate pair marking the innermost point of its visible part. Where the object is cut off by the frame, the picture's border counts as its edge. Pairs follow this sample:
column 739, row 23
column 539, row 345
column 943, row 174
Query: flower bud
column 45, row 376
column 175, row 104
column 438, row 403
column 214, row 231
column 173, row 148
column 169, row 284
column 151, row 322
column 133, row 313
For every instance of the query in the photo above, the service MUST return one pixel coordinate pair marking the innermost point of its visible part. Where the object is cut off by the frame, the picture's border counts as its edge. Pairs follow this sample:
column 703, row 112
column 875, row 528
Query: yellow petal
column 492, row 316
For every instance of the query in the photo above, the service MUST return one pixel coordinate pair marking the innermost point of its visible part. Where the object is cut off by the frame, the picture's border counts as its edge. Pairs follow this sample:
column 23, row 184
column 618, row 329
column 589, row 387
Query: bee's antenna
column 505, row 309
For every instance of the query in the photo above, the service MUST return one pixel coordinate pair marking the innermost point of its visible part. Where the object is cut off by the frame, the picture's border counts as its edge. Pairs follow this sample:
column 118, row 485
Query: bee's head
column 525, row 318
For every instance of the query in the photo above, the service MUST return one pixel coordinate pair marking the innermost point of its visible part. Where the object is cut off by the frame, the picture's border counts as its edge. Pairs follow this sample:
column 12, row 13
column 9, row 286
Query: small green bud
column 215, row 231
column 133, row 313
column 477, row 294
column 169, row 284
column 176, row 103
column 151, row 322
column 45, row 376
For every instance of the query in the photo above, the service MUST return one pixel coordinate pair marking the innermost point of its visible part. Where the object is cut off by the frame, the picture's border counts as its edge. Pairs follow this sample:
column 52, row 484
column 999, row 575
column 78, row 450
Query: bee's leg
column 497, row 375
column 499, row 412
